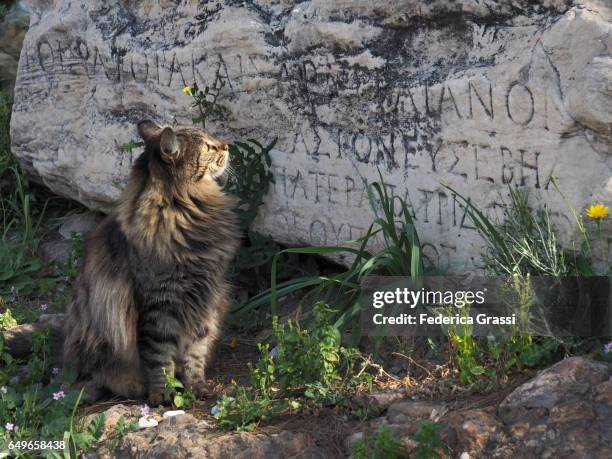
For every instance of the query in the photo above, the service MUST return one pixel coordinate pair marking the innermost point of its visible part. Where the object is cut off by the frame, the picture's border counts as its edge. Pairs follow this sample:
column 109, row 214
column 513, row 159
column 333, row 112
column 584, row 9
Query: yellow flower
column 233, row 343
column 187, row 90
column 598, row 211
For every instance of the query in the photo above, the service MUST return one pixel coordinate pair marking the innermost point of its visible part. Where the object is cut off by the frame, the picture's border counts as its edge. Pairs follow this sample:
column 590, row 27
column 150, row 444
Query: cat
column 152, row 290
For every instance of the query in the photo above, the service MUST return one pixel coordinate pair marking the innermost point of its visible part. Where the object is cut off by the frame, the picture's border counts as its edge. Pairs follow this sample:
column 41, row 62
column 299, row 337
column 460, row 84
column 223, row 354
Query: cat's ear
column 168, row 144
column 148, row 130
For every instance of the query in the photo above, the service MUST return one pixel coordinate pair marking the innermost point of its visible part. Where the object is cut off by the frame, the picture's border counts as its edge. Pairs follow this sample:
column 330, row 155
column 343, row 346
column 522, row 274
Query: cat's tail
column 18, row 340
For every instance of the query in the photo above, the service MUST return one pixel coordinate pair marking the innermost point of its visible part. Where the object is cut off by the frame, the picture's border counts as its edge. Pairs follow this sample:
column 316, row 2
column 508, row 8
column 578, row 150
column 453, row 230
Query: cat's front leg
column 157, row 344
column 195, row 360
column 196, row 350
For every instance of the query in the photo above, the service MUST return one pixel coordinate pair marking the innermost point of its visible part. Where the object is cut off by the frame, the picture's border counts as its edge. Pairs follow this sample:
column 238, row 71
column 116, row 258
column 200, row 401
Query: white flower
column 144, row 410
column 9, row 426
column 3, row 389
column 145, row 422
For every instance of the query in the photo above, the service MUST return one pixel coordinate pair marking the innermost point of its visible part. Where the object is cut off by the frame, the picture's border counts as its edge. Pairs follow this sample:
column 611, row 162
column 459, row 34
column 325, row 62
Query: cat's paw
column 202, row 389
column 156, row 398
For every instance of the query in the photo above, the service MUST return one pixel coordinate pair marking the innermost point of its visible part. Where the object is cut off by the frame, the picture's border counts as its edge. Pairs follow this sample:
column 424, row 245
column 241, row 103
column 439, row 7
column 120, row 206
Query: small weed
column 605, row 353
column 306, row 366
column 175, row 391
column 206, row 101
column 6, row 318
column 245, row 410
column 310, row 360
column 525, row 242
column 383, row 444
column 122, row 427
column 428, row 441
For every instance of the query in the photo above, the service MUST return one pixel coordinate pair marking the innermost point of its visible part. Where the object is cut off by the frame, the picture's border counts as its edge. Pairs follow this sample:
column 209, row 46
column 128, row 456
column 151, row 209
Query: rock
column 173, row 413
column 409, row 411
column 192, row 441
column 13, row 27
column 19, row 339
column 574, row 377
column 55, row 250
column 475, row 95
column 79, row 224
column 8, row 67
column 563, row 412
column 378, row 400
column 146, row 422
column 473, row 430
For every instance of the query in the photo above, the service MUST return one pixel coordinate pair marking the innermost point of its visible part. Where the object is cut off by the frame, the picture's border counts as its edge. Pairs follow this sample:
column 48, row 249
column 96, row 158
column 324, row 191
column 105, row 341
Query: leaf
column 96, row 426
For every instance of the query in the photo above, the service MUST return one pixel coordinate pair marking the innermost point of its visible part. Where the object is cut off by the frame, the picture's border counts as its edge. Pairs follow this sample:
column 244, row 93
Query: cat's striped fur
column 152, row 291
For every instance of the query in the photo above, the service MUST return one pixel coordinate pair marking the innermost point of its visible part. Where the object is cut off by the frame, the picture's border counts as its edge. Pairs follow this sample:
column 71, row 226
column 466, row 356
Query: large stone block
column 476, row 95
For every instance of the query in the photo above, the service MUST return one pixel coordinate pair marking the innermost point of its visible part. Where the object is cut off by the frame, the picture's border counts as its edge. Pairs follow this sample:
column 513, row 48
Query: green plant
column 381, row 445
column 131, row 145
column 122, row 427
column 245, row 410
column 6, row 319
column 428, row 441
column 175, row 391
column 20, row 219
column 40, row 405
column 494, row 356
column 206, row 101
column 249, row 180
column 525, row 241
column 400, row 255
column 310, row 361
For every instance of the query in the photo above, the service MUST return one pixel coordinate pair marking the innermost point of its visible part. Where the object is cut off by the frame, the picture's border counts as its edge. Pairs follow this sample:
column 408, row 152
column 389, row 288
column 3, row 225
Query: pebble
column 171, row 414
column 145, row 422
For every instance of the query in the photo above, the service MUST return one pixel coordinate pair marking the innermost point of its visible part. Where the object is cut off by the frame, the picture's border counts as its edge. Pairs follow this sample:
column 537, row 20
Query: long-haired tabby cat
column 152, row 292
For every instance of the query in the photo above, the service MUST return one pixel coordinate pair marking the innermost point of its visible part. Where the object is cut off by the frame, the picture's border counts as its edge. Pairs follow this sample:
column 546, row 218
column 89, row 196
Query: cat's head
column 185, row 153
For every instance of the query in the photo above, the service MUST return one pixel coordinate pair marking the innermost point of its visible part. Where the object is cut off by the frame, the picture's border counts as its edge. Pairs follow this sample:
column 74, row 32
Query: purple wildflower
column 58, row 395
column 55, row 371
column 9, row 426
column 44, row 306
column 144, row 410
column 608, row 348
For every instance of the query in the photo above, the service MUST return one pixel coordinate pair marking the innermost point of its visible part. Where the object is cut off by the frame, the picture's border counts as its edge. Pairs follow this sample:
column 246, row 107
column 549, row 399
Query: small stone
column 146, row 422
column 79, row 224
column 407, row 411
column 173, row 413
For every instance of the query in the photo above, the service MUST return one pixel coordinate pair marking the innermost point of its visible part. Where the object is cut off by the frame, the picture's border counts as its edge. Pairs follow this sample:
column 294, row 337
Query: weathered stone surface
column 410, row 410
column 575, row 377
column 563, row 412
column 13, row 27
column 476, row 95
column 79, row 224
column 185, row 436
